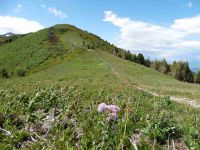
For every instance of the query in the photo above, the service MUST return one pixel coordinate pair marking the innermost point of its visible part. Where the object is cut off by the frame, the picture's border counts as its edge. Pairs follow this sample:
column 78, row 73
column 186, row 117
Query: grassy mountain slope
column 86, row 65
column 33, row 49
column 68, row 79
column 49, row 48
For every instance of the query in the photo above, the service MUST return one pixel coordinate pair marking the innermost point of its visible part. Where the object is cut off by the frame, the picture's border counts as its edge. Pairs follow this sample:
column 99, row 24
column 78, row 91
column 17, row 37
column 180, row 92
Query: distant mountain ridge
column 7, row 34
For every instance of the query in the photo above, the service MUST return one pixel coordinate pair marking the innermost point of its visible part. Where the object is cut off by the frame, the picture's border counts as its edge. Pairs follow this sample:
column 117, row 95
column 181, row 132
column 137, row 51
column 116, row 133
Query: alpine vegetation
column 113, row 110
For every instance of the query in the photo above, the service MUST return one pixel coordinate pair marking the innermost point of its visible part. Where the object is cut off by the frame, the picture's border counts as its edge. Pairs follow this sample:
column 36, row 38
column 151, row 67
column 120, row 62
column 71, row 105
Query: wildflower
column 102, row 107
column 113, row 109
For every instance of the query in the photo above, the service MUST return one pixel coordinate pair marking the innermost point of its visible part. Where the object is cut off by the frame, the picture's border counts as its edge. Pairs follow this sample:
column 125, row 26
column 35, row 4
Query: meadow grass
column 76, row 113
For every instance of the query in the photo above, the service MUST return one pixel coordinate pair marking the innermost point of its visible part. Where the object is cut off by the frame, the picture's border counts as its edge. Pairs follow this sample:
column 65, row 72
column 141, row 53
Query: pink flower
column 102, row 107
column 113, row 108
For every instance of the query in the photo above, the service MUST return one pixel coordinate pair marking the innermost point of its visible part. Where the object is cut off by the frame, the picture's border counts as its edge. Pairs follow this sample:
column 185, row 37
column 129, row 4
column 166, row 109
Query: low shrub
column 21, row 72
column 4, row 73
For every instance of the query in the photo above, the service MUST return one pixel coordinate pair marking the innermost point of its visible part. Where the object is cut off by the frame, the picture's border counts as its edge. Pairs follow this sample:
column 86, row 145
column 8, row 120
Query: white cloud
column 18, row 25
column 155, row 40
column 190, row 4
column 57, row 13
column 188, row 25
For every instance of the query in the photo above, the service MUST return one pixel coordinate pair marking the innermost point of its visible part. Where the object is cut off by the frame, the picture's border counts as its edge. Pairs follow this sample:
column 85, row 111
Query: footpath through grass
column 148, row 78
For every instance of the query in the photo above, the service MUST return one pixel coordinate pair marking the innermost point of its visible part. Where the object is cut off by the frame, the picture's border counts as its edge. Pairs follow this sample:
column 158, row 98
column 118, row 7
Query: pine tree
column 133, row 58
column 187, row 73
column 128, row 55
column 140, row 59
column 197, row 77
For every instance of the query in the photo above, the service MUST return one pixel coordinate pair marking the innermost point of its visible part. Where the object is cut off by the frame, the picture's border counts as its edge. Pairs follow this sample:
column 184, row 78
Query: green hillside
column 68, row 73
column 31, row 50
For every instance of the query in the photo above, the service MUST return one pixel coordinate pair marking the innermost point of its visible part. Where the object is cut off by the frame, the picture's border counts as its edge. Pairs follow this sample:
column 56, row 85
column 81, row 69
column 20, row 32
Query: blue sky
column 157, row 28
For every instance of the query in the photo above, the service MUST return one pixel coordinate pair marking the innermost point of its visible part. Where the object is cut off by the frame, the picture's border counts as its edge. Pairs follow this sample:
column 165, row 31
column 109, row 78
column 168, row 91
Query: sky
column 157, row 28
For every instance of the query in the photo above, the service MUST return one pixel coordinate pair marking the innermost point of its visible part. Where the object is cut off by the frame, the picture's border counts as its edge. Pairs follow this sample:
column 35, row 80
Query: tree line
column 178, row 69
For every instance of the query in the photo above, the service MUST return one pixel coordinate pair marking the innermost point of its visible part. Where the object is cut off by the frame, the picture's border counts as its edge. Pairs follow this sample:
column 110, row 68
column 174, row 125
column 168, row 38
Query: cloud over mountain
column 175, row 40
column 18, row 25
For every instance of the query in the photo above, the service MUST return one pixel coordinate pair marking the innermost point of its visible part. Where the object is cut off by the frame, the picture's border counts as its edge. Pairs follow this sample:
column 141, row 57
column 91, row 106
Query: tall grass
column 77, row 124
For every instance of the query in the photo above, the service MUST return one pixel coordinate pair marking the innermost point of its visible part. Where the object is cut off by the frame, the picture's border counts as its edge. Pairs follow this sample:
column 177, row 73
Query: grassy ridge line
column 34, row 49
column 191, row 102
column 149, row 79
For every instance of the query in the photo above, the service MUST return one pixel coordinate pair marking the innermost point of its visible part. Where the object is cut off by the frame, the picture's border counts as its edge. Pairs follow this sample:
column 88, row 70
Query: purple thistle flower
column 113, row 109
column 102, row 107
